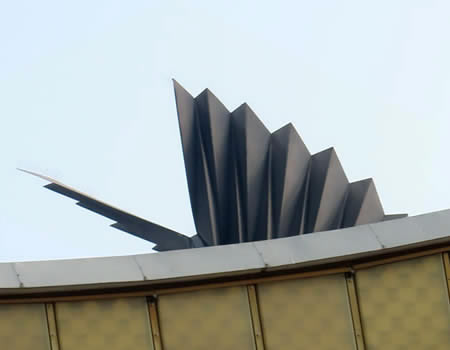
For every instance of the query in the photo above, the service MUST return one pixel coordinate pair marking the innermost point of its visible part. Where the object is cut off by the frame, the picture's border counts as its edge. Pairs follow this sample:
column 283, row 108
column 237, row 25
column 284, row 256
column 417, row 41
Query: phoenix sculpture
column 246, row 183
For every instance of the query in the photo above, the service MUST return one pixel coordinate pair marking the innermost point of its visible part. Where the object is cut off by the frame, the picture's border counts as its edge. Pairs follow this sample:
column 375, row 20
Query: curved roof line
column 328, row 247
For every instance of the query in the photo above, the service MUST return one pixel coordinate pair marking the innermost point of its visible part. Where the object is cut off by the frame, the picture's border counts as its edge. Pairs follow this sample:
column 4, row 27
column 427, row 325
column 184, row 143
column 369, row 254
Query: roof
column 282, row 254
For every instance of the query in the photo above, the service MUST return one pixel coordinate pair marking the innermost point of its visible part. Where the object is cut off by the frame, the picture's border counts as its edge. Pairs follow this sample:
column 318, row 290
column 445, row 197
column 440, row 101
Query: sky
column 86, row 97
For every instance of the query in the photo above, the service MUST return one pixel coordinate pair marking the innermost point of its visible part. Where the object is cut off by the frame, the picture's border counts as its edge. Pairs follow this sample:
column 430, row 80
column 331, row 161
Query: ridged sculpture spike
column 329, row 185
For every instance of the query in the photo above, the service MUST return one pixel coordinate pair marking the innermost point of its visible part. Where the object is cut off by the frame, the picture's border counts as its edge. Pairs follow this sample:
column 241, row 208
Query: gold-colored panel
column 115, row 324
column 404, row 305
column 310, row 313
column 23, row 327
column 217, row 319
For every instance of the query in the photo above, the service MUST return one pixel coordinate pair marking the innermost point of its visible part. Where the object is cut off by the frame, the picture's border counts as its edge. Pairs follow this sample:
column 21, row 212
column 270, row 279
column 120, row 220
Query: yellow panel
column 310, row 313
column 404, row 305
column 214, row 319
column 117, row 324
column 23, row 327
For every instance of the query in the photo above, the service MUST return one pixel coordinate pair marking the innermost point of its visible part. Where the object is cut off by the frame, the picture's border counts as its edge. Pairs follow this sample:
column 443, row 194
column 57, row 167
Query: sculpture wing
column 164, row 238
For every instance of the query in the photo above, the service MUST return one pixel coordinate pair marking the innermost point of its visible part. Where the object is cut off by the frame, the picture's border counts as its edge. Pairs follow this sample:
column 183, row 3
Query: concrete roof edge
column 236, row 259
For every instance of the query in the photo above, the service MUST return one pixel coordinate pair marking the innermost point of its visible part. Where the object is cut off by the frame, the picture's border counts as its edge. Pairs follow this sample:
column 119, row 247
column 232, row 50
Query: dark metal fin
column 200, row 185
column 363, row 206
column 214, row 121
column 165, row 238
column 251, row 141
column 290, row 165
column 328, row 188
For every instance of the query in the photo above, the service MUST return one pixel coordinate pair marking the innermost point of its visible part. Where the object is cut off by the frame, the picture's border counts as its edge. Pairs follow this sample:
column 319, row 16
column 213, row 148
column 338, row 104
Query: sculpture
column 247, row 184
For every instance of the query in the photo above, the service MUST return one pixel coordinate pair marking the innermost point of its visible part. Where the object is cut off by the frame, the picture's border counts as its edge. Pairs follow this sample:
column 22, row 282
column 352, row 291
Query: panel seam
column 52, row 326
column 154, row 324
column 446, row 262
column 255, row 317
column 352, row 295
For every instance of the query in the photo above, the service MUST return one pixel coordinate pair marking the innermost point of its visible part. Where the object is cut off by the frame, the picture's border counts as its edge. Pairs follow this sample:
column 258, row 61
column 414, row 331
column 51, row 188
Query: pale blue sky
column 86, row 97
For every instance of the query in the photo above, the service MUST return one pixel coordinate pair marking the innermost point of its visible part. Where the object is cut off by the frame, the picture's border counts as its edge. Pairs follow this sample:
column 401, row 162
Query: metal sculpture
column 247, row 184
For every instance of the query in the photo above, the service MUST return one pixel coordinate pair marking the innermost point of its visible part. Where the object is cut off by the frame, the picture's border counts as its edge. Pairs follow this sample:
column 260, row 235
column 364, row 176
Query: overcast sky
column 86, row 97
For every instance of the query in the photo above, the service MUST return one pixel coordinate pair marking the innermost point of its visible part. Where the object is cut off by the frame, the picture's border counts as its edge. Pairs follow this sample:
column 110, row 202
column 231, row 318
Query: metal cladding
column 247, row 184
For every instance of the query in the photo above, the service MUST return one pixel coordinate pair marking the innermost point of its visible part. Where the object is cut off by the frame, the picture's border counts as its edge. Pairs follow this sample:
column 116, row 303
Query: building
column 288, row 255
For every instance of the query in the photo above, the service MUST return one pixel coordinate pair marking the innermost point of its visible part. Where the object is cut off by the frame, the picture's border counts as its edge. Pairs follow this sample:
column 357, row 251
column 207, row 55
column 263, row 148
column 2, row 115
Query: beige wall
column 397, row 305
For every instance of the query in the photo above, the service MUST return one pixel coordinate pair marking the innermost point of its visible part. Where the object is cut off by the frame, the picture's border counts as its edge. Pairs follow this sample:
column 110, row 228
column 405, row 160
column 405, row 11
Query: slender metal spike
column 200, row 185
column 214, row 121
column 188, row 130
column 137, row 226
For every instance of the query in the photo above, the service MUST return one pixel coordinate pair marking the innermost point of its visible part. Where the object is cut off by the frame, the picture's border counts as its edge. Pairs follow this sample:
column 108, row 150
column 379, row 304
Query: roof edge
column 263, row 257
